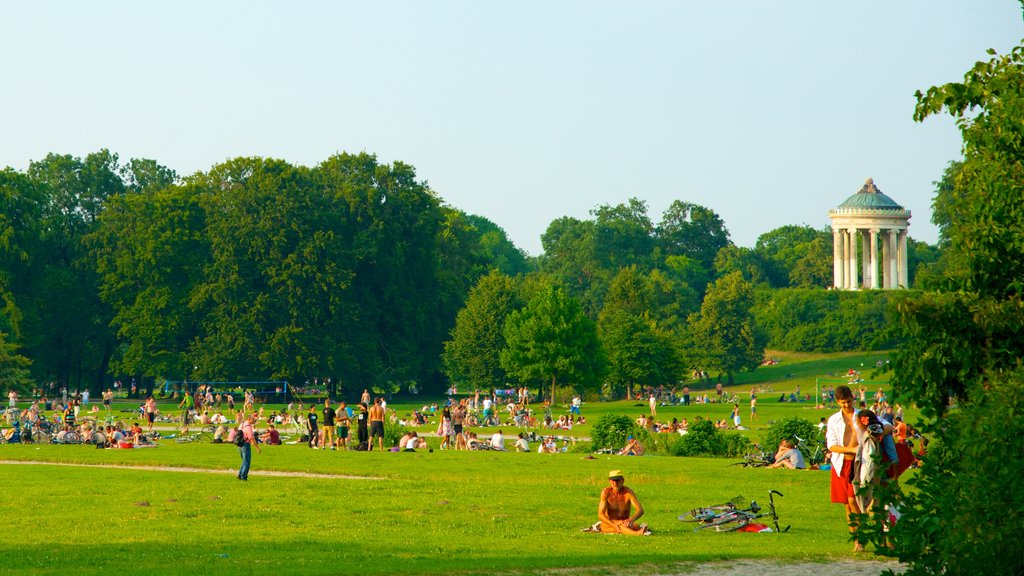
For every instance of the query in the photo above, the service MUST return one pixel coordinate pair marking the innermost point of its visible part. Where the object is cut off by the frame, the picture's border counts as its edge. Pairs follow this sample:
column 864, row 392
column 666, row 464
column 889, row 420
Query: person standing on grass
column 329, row 415
column 245, row 450
column 376, row 416
column 653, row 403
column 841, row 437
column 187, row 403
column 343, row 422
column 615, row 509
column 314, row 428
column 736, row 415
column 753, row 405
column 362, row 432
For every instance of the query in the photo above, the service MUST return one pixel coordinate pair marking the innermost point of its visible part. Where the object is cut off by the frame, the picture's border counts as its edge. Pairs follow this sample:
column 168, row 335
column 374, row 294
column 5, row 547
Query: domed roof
column 871, row 198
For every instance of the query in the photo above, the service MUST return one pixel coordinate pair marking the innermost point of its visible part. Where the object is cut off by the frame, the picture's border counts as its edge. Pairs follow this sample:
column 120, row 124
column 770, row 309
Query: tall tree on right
column 961, row 356
column 724, row 335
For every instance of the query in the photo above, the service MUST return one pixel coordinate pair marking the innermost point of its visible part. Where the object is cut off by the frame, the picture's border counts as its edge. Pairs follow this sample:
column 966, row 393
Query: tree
column 639, row 345
column 797, row 256
column 725, row 336
column 151, row 252
column 694, row 231
column 960, row 360
column 473, row 354
column 67, row 330
column 551, row 339
column 747, row 262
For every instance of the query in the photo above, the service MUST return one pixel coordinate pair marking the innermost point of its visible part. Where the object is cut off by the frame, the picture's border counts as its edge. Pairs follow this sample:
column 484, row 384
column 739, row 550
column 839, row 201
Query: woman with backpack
column 245, row 439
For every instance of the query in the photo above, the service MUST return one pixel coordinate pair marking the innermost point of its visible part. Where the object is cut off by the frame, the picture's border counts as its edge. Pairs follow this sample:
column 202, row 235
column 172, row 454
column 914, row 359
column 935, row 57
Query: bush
column 788, row 428
column 612, row 430
column 703, row 439
column 393, row 433
column 963, row 512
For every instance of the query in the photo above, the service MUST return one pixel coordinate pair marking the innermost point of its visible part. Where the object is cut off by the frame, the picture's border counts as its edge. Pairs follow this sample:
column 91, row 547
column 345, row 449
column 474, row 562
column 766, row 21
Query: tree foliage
column 552, row 340
column 725, row 335
column 473, row 353
column 962, row 351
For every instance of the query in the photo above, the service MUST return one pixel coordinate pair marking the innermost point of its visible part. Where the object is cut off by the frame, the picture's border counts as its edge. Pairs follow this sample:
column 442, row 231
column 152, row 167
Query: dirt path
column 196, row 470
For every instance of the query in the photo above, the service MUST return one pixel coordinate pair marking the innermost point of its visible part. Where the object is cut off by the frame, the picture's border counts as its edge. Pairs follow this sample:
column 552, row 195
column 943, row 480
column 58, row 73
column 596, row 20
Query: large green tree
column 694, row 231
column 473, row 353
column 724, row 334
column 636, row 333
column 551, row 340
column 961, row 358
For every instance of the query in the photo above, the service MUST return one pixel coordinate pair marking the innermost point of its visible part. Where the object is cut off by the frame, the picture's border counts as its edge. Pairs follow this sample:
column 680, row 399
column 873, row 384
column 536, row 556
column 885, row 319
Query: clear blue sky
column 769, row 113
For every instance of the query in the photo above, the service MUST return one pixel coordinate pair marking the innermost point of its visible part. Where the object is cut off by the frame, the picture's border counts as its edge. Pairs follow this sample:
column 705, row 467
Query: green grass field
column 414, row 513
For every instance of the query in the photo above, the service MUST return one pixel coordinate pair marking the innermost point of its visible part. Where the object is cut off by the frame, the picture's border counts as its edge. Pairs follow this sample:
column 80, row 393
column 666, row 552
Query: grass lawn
column 478, row 512
column 422, row 513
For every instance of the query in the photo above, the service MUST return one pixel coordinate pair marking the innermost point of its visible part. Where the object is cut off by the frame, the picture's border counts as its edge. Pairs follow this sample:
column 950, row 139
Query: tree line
column 357, row 271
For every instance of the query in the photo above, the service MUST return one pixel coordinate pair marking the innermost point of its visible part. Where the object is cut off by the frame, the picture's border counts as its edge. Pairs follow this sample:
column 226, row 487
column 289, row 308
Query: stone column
column 884, row 239
column 903, row 276
column 837, row 258
column 854, row 280
column 893, row 260
column 874, row 258
column 865, row 272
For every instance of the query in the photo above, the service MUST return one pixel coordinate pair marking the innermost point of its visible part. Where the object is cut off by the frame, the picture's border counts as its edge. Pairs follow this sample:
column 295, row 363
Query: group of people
column 857, row 441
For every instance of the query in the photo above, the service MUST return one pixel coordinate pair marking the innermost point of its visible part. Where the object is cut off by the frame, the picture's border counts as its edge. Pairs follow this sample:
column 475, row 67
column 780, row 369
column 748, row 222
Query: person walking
column 248, row 440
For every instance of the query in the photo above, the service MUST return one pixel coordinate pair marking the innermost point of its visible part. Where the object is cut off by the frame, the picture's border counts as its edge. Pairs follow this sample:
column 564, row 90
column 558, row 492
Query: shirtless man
column 376, row 416
column 842, row 440
column 615, row 506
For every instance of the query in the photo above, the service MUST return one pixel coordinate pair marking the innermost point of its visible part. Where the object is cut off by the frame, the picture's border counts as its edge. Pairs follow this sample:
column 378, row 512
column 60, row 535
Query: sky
column 769, row 113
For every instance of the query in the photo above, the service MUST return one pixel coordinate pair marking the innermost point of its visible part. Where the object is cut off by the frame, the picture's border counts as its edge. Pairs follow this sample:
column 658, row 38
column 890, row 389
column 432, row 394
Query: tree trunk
column 552, row 390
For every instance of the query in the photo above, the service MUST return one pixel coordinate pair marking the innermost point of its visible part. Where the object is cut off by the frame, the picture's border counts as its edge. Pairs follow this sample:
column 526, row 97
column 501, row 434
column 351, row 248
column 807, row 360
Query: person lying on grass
column 615, row 508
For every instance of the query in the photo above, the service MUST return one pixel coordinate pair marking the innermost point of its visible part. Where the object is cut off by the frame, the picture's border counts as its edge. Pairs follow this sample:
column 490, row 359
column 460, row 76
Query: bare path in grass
column 197, row 470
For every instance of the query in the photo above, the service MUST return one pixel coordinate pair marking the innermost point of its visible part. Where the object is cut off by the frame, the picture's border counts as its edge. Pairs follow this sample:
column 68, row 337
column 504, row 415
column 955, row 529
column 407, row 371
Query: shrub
column 612, row 430
column 703, row 439
column 788, row 428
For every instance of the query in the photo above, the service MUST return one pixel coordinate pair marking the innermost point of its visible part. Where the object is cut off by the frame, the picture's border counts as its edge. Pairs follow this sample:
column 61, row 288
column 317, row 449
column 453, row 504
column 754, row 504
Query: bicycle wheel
column 72, row 437
column 728, row 523
column 40, row 437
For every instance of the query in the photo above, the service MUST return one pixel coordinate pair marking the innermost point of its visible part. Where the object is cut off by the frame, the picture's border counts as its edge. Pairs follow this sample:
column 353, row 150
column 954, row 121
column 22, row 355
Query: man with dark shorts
column 314, row 428
column 362, row 432
column 841, row 437
column 342, row 421
column 458, row 419
column 376, row 416
column 151, row 411
column 328, row 424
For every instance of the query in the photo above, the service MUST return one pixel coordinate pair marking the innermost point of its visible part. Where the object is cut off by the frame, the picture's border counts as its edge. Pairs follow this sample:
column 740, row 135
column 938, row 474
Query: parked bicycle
column 812, row 450
column 730, row 516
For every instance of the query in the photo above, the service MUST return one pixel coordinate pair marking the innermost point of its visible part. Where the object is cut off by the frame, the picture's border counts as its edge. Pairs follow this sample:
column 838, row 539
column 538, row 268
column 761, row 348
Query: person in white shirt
column 498, row 441
column 521, row 444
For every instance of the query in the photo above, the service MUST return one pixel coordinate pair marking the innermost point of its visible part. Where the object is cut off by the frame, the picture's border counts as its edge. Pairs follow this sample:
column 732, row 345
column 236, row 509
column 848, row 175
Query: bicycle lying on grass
column 730, row 516
column 757, row 459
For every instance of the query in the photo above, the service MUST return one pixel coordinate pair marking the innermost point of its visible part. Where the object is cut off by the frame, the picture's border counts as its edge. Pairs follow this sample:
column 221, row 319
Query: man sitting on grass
column 615, row 508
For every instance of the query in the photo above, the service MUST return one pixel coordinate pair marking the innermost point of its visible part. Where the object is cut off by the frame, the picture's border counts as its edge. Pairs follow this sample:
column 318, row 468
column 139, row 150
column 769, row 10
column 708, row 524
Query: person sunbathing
column 632, row 448
column 615, row 509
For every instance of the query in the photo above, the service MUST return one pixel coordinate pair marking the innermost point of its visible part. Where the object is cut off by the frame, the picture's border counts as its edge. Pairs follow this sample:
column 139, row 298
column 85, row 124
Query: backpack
column 239, row 437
